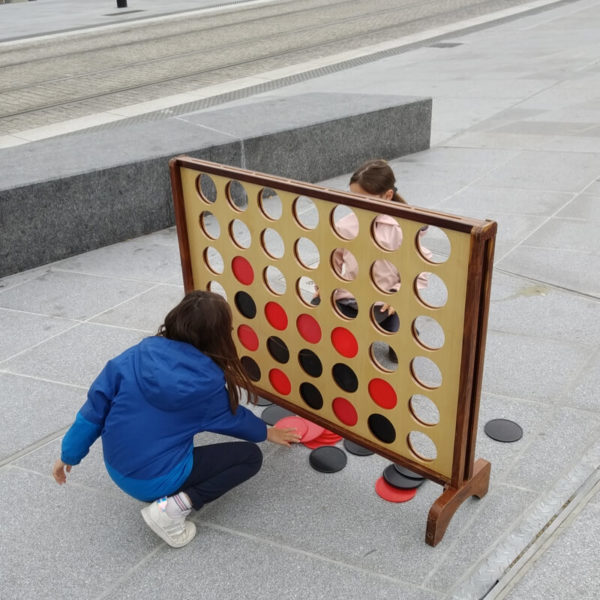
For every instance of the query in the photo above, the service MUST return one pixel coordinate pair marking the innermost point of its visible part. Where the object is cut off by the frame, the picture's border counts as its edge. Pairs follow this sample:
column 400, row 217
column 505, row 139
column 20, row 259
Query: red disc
column 248, row 337
column 309, row 329
column 344, row 342
column 393, row 494
column 345, row 411
column 313, row 431
column 327, row 438
column 297, row 423
column 276, row 316
column 242, row 270
column 280, row 381
column 382, row 393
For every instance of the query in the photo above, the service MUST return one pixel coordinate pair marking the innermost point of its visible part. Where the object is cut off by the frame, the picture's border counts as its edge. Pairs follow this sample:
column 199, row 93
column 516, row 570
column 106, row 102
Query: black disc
column 328, row 459
column 263, row 402
column 274, row 413
column 503, row 430
column 407, row 472
column 400, row 481
column 356, row 449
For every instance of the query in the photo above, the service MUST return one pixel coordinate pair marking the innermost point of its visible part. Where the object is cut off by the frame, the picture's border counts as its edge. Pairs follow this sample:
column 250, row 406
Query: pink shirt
column 388, row 235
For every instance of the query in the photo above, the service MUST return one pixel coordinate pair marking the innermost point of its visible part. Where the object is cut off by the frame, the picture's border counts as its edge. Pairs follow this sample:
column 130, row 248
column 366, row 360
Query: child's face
column 355, row 188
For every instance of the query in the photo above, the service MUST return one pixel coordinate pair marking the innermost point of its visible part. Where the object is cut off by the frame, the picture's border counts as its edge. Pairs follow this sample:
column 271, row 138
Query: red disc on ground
column 344, row 342
column 242, row 270
column 308, row 328
column 276, row 316
column 248, row 337
column 392, row 494
column 345, row 411
column 280, row 381
column 327, row 438
column 313, row 431
column 382, row 393
column 297, row 423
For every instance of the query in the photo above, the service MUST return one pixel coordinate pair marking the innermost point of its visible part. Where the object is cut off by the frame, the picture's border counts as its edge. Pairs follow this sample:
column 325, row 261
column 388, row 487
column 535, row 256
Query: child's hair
column 203, row 319
column 376, row 177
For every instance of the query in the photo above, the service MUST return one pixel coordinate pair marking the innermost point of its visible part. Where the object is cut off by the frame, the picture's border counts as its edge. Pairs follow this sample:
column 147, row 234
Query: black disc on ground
column 279, row 351
column 263, row 402
column 275, row 413
column 356, row 449
column 311, row 395
column 407, row 472
column 245, row 304
column 503, row 430
column 328, row 459
column 400, row 481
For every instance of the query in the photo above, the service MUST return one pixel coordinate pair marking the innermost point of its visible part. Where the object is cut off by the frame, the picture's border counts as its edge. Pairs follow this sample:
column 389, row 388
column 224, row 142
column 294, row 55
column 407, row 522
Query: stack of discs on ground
column 398, row 484
column 324, row 457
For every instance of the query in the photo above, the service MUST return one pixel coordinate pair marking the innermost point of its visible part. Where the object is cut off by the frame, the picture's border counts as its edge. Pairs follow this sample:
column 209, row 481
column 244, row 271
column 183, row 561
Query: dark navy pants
column 218, row 468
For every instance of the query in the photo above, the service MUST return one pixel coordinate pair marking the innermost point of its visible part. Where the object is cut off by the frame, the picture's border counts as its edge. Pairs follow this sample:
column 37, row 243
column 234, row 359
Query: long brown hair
column 203, row 319
column 376, row 177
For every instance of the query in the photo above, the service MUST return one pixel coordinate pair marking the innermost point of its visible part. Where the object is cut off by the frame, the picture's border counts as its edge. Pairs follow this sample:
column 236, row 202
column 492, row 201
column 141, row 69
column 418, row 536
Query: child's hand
column 284, row 437
column 390, row 310
column 58, row 471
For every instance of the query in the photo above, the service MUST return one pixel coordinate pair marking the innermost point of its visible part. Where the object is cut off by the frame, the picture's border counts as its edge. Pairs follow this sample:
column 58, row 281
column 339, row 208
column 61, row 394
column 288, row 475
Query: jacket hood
column 173, row 374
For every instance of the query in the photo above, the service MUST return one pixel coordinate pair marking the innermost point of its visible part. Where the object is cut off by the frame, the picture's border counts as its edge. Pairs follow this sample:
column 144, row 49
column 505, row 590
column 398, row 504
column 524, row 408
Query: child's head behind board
column 203, row 319
column 375, row 178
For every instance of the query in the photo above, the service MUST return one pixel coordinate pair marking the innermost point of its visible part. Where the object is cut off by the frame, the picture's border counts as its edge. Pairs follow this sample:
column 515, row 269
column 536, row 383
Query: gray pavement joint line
column 526, row 561
column 140, row 20
column 370, row 55
column 313, row 555
column 547, row 283
column 33, row 447
column 200, row 126
column 480, row 579
column 46, row 380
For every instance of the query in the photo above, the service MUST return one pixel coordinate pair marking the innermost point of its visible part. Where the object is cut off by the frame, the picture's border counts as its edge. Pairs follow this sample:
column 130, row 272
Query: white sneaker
column 177, row 532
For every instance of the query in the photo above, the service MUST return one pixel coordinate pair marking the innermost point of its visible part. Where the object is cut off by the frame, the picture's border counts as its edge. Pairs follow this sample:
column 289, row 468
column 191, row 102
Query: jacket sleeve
column 89, row 421
column 244, row 424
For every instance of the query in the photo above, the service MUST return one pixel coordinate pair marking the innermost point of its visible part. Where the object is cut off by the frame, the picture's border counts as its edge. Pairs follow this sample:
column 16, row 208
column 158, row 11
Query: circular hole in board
column 305, row 212
column 426, row 372
column 240, row 234
column 431, row 289
column 209, row 225
column 428, row 332
column 214, row 260
column 307, row 291
column 307, row 253
column 275, row 280
column 206, row 188
column 433, row 244
column 424, row 409
column 386, row 232
column 270, row 204
column 344, row 264
column 272, row 243
column 383, row 272
column 237, row 195
column 385, row 319
column 384, row 356
column 344, row 303
column 216, row 288
column 422, row 445
column 344, row 222
column 328, row 459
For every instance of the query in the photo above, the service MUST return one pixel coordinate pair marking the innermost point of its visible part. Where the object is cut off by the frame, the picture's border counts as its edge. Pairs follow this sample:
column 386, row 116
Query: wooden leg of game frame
column 447, row 504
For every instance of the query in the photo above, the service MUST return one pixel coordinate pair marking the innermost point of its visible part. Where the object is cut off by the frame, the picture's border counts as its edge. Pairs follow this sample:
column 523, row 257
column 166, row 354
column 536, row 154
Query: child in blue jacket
column 150, row 401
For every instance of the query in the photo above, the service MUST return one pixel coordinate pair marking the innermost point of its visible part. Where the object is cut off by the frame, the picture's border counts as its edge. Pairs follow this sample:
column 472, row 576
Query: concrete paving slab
column 568, row 234
column 585, row 206
column 583, row 390
column 547, row 577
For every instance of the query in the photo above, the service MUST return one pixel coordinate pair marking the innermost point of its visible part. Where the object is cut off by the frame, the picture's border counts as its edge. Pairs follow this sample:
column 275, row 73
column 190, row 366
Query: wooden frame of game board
column 467, row 477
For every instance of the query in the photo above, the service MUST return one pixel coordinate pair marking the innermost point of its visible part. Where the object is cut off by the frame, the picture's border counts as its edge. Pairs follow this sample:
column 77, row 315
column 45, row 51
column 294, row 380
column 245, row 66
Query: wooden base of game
column 447, row 504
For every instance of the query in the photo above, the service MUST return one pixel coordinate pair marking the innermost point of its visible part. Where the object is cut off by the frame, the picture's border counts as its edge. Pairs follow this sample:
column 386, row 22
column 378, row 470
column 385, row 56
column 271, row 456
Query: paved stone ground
column 516, row 132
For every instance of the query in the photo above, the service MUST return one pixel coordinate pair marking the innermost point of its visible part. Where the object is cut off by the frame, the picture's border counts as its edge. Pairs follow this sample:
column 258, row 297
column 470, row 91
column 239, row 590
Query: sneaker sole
column 159, row 532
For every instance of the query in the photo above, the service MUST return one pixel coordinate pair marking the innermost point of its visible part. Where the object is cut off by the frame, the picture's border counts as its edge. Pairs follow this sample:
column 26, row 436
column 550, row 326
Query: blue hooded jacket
column 148, row 403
